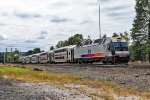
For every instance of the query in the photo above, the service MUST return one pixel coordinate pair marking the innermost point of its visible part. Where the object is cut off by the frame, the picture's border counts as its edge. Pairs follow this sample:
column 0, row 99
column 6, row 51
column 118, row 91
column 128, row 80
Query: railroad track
column 82, row 65
column 136, row 66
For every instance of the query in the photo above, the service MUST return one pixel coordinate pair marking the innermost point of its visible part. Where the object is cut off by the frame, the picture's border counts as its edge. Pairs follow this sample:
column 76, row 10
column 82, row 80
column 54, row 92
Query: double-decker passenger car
column 28, row 59
column 43, row 57
column 64, row 54
column 34, row 58
column 22, row 60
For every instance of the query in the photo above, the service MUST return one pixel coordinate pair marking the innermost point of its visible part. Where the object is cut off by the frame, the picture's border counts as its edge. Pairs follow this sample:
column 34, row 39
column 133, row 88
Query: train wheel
column 111, row 63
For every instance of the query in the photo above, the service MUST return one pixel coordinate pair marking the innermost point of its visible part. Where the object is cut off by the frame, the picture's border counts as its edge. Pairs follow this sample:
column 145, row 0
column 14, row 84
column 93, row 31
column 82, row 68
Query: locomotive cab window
column 120, row 46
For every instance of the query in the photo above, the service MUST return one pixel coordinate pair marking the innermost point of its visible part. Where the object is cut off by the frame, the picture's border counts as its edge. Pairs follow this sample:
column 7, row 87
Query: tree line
column 12, row 56
column 140, row 32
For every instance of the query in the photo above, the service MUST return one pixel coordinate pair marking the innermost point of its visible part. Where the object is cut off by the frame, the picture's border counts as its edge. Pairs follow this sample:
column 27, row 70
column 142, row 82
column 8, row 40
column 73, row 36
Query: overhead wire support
column 100, row 22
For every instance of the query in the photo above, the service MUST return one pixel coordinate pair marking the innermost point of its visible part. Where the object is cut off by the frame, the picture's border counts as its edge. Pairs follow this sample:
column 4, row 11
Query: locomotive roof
column 118, row 39
column 106, row 40
column 71, row 46
column 50, row 51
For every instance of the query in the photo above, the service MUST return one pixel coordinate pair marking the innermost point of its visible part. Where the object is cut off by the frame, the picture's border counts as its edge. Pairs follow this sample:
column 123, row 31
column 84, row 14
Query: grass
column 96, row 88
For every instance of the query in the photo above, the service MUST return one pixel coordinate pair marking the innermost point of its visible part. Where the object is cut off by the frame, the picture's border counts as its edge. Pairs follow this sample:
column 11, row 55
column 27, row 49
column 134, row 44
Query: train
column 110, row 50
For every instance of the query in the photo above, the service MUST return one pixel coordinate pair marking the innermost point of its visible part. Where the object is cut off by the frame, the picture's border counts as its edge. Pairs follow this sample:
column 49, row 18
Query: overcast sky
column 25, row 24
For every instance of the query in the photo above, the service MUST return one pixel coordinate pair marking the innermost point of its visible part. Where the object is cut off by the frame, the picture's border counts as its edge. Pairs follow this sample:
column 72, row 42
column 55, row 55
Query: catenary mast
column 100, row 22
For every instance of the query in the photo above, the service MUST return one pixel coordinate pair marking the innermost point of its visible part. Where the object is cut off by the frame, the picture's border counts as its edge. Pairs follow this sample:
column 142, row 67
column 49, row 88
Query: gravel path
column 15, row 90
column 138, row 78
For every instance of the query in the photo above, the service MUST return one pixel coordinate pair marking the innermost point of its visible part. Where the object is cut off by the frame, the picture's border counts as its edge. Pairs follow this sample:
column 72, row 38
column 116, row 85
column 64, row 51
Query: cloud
column 26, row 15
column 116, row 8
column 44, row 32
column 86, row 22
column 59, row 20
column 42, row 35
column 3, row 37
column 103, row 0
column 30, row 41
column 2, row 24
column 37, row 23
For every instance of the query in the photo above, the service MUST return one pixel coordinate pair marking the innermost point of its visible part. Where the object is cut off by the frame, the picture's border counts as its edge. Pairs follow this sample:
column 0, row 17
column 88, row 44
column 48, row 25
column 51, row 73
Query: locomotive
column 110, row 50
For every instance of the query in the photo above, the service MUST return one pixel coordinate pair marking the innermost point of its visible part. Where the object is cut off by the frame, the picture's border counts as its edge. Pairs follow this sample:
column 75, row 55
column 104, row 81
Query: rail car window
column 62, row 50
column 60, row 57
column 43, row 54
column 97, row 41
column 43, row 59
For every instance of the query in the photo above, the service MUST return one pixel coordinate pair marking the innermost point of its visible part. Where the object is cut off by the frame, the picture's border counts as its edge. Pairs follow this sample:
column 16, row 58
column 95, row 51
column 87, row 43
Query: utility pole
column 148, row 15
column 100, row 22
column 11, row 50
column 148, row 27
column 5, row 56
column 149, row 37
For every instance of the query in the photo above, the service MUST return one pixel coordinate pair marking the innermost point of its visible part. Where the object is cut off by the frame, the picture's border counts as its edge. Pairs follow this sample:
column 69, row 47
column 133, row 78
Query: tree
column 36, row 50
column 140, row 33
column 77, row 39
column 140, row 29
column 30, row 52
column 126, row 36
column 87, row 41
column 9, row 57
column 16, row 58
column 16, row 51
column 60, row 44
column 52, row 48
column 104, row 36
column 115, row 35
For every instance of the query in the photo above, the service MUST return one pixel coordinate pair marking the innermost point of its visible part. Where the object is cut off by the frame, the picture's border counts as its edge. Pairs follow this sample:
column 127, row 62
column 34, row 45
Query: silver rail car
column 43, row 57
column 46, row 57
column 28, row 59
column 35, row 58
column 22, row 60
column 108, row 50
column 64, row 54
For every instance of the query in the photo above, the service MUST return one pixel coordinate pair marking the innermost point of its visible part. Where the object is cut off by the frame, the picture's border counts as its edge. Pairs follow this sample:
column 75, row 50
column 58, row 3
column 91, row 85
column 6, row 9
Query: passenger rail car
column 43, row 57
column 34, row 58
column 22, row 60
column 107, row 50
column 64, row 54
column 27, row 59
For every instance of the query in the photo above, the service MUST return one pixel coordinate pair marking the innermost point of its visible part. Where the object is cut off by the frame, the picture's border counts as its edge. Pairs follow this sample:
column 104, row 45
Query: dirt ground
column 15, row 90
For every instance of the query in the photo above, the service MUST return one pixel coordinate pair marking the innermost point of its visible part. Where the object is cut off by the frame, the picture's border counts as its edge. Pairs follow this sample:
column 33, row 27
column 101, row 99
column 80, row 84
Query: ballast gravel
column 15, row 90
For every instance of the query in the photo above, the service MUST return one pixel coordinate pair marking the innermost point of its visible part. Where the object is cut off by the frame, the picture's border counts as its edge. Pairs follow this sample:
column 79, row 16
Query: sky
column 27, row 24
